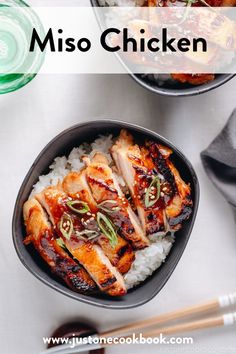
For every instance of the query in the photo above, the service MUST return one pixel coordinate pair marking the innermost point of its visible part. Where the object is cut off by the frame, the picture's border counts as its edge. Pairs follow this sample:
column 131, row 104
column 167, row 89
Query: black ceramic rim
column 112, row 304
column 152, row 86
column 220, row 80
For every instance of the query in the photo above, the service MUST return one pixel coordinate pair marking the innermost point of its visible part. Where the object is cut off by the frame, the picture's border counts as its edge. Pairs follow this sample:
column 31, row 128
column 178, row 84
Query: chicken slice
column 121, row 255
column 110, row 199
column 177, row 192
column 76, row 186
column 89, row 255
column 136, row 168
column 41, row 234
column 99, row 267
column 180, row 208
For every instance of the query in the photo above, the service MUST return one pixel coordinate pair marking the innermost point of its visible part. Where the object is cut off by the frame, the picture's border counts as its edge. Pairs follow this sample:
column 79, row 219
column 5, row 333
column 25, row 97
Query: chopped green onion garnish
column 107, row 228
column 150, row 197
column 66, row 226
column 78, row 206
column 87, row 235
column 109, row 206
column 191, row 2
column 60, row 243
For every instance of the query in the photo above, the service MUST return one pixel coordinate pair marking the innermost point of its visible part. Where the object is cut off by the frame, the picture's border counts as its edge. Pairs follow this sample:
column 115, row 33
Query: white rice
column 61, row 166
column 147, row 260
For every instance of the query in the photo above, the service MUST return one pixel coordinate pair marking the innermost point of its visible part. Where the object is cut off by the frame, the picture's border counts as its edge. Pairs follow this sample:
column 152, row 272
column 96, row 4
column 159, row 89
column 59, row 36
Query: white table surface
column 29, row 118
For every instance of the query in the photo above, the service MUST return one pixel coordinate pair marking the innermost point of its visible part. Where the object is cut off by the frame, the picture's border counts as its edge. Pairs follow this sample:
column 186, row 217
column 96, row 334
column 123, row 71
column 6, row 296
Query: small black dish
column 62, row 145
column 171, row 87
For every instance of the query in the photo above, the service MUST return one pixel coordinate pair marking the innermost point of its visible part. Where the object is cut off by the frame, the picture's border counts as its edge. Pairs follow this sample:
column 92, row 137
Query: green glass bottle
column 17, row 65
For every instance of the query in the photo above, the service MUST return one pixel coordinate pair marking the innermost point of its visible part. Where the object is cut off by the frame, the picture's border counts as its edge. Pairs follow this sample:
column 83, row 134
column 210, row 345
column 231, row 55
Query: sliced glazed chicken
column 41, row 234
column 76, row 186
column 70, row 226
column 111, row 201
column 136, row 167
column 179, row 203
column 160, row 195
column 121, row 255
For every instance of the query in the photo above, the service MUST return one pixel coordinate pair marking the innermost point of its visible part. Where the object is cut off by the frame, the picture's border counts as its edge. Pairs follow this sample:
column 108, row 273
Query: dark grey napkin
column 219, row 161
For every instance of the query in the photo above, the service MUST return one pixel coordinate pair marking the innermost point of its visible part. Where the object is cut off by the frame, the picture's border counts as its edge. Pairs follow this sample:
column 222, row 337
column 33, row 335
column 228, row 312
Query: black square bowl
column 62, row 145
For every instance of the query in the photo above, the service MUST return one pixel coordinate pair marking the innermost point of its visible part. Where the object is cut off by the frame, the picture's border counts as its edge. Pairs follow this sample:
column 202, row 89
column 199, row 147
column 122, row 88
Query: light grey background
column 29, row 119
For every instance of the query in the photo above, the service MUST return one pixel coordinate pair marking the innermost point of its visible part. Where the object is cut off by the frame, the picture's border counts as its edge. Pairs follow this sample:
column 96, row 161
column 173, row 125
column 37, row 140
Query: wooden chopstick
column 205, row 308
column 209, row 322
